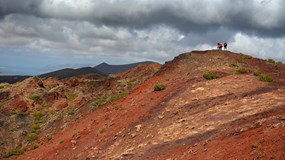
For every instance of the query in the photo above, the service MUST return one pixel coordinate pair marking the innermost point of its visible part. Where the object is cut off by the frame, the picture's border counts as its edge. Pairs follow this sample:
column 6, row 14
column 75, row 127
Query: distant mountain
column 11, row 78
column 68, row 72
column 102, row 69
column 113, row 69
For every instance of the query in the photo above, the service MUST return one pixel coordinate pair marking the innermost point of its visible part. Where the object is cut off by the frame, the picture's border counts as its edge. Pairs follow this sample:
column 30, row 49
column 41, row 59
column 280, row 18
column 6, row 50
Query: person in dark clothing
column 225, row 45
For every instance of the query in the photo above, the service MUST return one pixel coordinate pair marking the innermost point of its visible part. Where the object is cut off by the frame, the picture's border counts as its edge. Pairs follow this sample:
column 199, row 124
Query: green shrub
column 36, row 127
column 12, row 113
column 72, row 110
column 265, row 78
column 254, row 145
column 35, row 146
column 72, row 96
column 117, row 107
column 14, row 152
column 233, row 65
column 156, row 70
column 159, row 87
column 35, row 97
column 119, row 96
column 270, row 61
column 43, row 106
column 71, row 113
column 241, row 71
column 257, row 73
column 49, row 137
column 13, row 129
column 102, row 130
column 132, row 81
column 32, row 137
column 100, row 102
column 61, row 141
column 1, row 87
column 1, row 106
column 38, row 117
column 247, row 57
column 210, row 75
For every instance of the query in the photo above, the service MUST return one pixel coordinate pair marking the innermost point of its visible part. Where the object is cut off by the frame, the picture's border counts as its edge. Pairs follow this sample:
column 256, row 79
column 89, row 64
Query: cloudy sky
column 37, row 34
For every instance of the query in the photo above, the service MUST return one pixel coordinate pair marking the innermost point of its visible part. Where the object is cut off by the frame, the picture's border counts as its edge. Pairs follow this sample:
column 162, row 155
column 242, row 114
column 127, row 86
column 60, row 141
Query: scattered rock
column 128, row 151
column 160, row 117
column 138, row 127
column 175, row 112
column 74, row 142
column 278, row 125
column 282, row 118
column 181, row 120
column 134, row 135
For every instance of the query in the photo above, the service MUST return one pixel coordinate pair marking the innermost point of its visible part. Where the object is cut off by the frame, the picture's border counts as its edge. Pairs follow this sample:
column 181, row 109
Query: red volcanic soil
column 236, row 116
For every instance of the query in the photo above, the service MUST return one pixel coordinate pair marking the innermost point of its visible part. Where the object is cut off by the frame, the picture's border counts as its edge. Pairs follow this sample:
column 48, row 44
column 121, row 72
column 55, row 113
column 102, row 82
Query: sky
column 41, row 35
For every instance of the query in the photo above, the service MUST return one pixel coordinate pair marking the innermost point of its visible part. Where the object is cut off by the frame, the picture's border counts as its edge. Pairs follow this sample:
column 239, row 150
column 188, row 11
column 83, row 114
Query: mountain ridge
column 236, row 115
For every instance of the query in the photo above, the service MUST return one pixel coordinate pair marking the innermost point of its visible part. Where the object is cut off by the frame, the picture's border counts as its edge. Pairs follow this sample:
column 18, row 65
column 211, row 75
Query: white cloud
column 260, row 47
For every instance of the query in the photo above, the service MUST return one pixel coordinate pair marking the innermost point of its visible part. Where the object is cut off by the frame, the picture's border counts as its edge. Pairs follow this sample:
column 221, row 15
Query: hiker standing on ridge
column 225, row 45
column 220, row 46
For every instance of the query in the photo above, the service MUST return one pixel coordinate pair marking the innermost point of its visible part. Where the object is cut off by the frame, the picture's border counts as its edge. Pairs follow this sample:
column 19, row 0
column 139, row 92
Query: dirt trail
column 233, row 117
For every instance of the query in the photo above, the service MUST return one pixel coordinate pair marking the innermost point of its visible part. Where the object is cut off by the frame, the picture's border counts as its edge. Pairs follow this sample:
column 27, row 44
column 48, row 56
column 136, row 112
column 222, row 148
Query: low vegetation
column 39, row 117
column 35, row 98
column 14, row 152
column 254, row 145
column 72, row 96
column 1, row 87
column 210, row 75
column 104, row 100
column 241, row 71
column 119, row 96
column 61, row 141
column 72, row 110
column 271, row 61
column 43, row 107
column 36, row 128
column 233, row 65
column 32, row 137
column 35, row 146
column 159, row 87
column 131, row 81
column 117, row 107
column 102, row 130
column 262, row 77
column 100, row 102
column 257, row 73
column 265, row 78
column 246, row 56
column 49, row 137
column 11, row 113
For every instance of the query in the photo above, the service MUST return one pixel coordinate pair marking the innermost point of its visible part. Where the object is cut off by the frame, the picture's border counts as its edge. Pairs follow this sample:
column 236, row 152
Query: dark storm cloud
column 142, row 29
column 257, row 17
column 19, row 7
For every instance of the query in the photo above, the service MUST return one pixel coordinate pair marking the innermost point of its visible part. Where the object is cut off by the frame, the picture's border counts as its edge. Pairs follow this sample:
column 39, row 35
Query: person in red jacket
column 219, row 46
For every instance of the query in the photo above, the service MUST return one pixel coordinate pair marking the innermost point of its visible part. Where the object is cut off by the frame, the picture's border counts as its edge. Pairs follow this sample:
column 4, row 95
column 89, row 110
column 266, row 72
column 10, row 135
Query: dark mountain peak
column 113, row 69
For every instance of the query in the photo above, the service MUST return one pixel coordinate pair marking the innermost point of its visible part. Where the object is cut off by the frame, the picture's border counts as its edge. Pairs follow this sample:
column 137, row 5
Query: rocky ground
column 237, row 111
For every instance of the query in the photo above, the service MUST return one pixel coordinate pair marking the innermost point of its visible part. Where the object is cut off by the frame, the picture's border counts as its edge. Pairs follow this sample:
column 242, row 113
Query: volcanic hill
column 201, row 105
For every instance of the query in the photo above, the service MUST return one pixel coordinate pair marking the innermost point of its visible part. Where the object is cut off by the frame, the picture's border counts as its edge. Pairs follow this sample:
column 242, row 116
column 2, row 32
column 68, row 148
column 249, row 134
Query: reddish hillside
column 238, row 115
